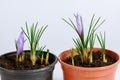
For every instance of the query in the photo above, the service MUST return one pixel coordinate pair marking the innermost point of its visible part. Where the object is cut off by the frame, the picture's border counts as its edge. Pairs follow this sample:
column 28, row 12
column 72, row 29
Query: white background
column 58, row 36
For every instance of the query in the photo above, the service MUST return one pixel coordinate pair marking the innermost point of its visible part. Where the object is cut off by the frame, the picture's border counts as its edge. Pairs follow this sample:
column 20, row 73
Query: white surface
column 58, row 36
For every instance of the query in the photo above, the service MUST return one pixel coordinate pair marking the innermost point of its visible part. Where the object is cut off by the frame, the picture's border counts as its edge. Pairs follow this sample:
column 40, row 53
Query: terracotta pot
column 81, row 73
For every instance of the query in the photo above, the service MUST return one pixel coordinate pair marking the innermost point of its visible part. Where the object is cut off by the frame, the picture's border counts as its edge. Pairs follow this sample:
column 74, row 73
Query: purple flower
column 79, row 25
column 20, row 43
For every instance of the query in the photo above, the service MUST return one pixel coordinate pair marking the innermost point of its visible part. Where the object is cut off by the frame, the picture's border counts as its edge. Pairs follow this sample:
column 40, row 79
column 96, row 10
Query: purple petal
column 79, row 26
column 20, row 43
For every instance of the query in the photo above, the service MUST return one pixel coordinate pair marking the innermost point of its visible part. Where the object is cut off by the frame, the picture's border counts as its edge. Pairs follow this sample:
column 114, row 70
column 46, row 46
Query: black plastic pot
column 45, row 73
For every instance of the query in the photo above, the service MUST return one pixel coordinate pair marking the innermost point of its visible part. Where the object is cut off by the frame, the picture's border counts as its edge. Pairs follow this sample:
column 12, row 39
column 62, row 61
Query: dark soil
column 97, row 61
column 9, row 62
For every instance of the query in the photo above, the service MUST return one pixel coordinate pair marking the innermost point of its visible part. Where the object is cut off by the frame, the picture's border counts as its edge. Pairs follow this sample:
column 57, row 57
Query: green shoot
column 42, row 58
column 47, row 57
column 72, row 56
column 92, row 41
column 21, row 58
column 80, row 54
column 101, row 40
column 39, row 52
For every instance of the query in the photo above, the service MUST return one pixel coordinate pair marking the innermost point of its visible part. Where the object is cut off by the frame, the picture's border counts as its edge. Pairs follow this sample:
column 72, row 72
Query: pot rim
column 90, row 68
column 34, row 70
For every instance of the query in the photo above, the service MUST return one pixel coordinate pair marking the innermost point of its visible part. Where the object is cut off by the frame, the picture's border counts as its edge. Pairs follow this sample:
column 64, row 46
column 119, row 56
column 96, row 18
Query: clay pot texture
column 84, row 73
column 45, row 73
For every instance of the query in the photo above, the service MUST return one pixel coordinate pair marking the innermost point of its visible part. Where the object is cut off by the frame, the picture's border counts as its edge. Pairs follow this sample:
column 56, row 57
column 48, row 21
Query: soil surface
column 9, row 62
column 97, row 61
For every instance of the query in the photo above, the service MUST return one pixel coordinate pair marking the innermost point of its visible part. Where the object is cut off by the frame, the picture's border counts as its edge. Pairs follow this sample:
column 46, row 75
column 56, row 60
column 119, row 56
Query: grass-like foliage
column 34, row 35
column 83, row 42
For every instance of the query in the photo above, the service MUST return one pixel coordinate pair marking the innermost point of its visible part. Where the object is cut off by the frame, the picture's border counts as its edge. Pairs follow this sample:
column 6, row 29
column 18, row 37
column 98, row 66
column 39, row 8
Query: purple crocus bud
column 20, row 43
column 79, row 25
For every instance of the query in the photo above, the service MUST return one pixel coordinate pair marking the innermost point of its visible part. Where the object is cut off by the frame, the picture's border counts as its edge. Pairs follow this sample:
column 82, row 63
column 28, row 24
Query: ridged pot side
column 45, row 73
column 83, row 73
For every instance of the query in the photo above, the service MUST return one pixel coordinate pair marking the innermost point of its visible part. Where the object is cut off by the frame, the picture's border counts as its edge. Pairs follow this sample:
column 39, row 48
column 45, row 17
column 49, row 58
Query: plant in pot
column 86, row 62
column 33, row 64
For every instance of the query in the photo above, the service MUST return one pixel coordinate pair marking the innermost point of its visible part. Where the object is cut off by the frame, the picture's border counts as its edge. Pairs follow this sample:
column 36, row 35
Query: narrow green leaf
column 67, row 22
column 26, row 34
column 27, row 30
column 99, row 25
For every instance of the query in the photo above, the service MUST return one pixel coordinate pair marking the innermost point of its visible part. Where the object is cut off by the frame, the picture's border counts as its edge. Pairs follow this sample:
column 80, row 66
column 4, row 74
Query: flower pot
column 36, row 74
column 85, row 73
